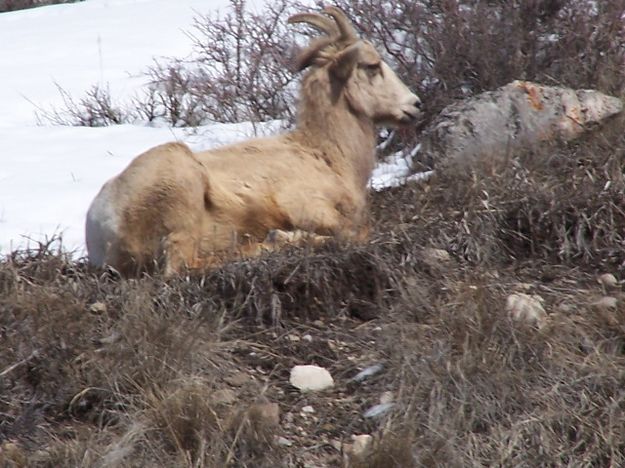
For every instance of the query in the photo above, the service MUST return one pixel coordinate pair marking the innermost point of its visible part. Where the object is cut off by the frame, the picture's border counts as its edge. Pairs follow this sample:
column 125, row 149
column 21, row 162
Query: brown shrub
column 130, row 384
column 240, row 69
column 559, row 203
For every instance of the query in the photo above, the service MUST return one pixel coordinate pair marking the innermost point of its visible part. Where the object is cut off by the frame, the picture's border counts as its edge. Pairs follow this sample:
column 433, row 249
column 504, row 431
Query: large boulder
column 514, row 116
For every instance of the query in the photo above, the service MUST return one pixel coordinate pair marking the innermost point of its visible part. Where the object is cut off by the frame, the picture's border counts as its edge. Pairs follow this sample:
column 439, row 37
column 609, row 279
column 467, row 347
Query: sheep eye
column 372, row 69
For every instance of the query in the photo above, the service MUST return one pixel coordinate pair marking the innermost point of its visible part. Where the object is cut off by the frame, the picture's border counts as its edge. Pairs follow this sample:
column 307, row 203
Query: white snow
column 81, row 44
column 49, row 174
column 396, row 170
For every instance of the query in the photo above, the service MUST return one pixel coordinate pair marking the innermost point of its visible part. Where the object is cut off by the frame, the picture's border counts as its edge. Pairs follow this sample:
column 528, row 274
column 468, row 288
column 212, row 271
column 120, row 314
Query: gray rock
column 514, row 116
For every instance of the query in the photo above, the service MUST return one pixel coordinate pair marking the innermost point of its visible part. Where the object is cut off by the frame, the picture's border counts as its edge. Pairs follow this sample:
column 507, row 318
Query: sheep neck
column 343, row 138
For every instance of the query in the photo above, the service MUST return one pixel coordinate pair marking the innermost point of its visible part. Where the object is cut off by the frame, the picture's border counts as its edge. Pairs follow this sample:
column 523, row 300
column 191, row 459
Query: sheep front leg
column 277, row 238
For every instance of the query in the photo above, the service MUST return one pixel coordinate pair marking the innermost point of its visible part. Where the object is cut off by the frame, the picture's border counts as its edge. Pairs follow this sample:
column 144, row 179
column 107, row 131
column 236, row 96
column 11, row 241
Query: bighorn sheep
column 193, row 210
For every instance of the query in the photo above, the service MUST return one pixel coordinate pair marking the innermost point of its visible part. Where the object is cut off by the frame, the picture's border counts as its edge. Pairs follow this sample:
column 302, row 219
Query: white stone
column 310, row 378
column 308, row 409
column 112, row 338
column 433, row 255
column 606, row 302
column 525, row 308
column 360, row 446
column 98, row 308
column 386, row 397
column 337, row 444
column 283, row 441
column 608, row 280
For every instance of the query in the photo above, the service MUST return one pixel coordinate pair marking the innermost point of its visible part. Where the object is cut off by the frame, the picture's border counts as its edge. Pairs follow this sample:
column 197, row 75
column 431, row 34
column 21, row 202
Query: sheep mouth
column 399, row 118
column 409, row 116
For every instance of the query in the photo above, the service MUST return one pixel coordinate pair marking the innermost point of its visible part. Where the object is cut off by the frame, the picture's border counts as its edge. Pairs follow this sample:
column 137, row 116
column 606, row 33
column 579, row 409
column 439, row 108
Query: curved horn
column 342, row 22
column 309, row 55
column 322, row 23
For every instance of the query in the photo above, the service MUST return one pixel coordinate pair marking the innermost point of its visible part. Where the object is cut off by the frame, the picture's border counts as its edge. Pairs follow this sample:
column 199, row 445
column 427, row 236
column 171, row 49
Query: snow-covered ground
column 48, row 174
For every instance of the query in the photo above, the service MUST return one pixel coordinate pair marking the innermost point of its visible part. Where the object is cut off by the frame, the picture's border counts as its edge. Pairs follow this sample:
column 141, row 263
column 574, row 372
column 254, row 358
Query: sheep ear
column 345, row 61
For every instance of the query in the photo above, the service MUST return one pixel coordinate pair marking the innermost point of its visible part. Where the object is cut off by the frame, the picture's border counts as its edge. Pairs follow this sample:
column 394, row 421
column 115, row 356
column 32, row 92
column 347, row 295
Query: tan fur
column 180, row 209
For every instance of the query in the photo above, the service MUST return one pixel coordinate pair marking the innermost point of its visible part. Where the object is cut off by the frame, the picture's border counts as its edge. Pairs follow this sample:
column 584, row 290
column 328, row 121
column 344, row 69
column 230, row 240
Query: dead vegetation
column 102, row 371
column 241, row 64
column 14, row 5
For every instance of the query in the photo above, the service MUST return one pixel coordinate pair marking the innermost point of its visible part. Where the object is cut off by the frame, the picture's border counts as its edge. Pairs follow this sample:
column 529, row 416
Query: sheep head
column 369, row 85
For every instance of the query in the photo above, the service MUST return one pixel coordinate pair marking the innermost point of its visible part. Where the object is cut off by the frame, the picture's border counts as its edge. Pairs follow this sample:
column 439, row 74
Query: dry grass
column 101, row 371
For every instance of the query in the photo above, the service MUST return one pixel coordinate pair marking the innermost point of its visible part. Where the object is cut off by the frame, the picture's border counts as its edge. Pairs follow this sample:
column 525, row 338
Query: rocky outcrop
column 514, row 116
